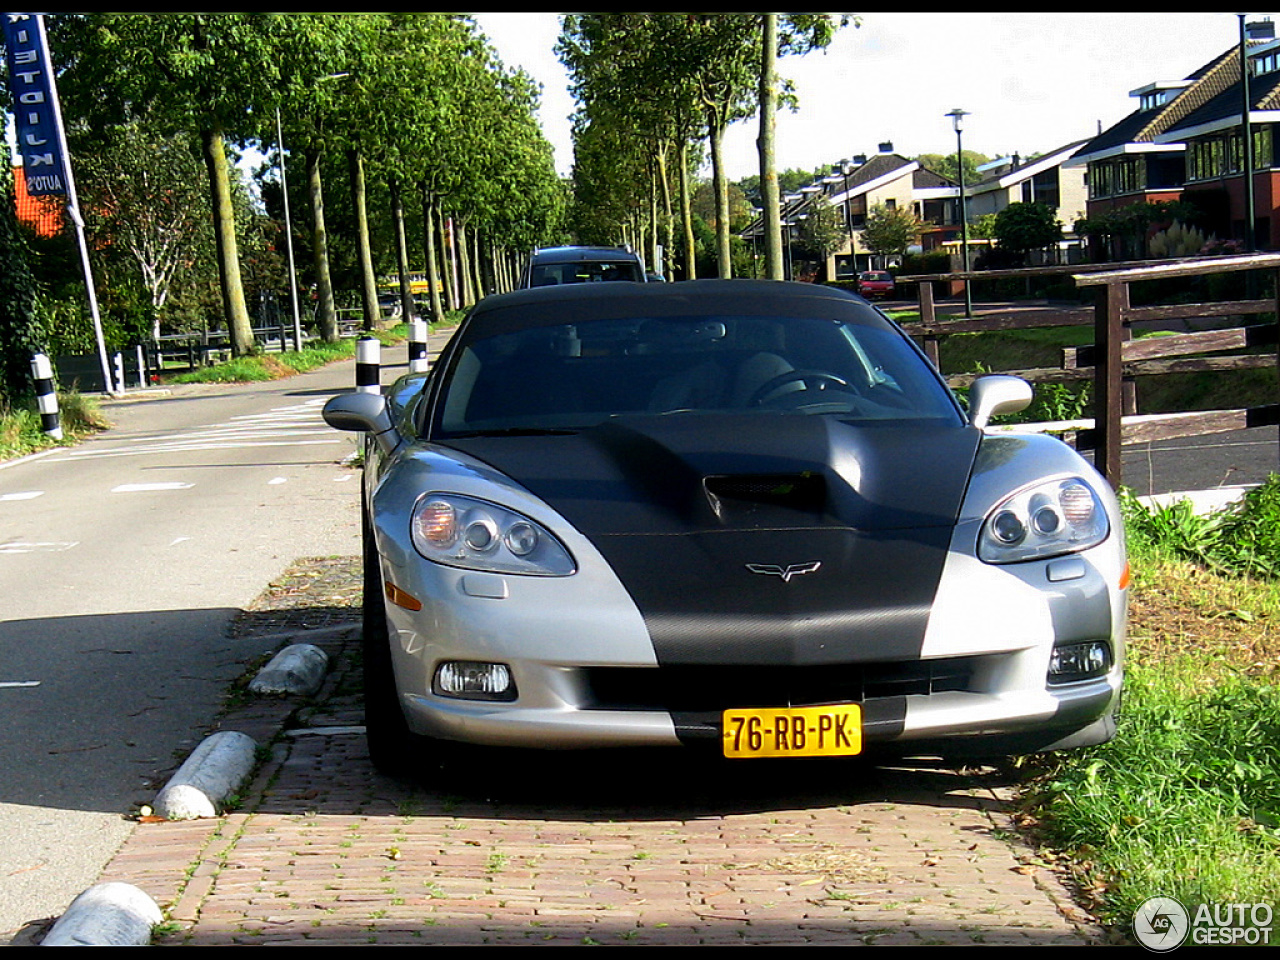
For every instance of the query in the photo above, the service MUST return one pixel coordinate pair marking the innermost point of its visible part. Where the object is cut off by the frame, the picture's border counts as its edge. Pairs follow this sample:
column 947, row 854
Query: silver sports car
column 749, row 516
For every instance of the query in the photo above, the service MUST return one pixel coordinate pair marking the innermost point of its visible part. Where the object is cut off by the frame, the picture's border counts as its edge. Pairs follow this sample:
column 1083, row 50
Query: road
column 122, row 561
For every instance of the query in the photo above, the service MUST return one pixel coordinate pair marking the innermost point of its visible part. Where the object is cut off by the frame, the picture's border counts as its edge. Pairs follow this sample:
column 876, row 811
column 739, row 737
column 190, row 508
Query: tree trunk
column 477, row 279
column 721, row 186
column 326, row 313
column 227, row 252
column 407, row 309
column 429, row 212
column 769, row 198
column 369, row 282
column 466, row 295
column 686, row 216
column 444, row 233
column 668, row 228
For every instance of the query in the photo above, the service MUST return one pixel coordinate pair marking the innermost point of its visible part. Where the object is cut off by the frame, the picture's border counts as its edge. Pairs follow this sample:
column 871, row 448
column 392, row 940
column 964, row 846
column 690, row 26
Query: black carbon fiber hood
column 756, row 539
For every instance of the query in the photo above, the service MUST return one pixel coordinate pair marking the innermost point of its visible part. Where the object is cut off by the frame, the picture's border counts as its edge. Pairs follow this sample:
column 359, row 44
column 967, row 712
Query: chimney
column 1262, row 29
column 886, row 146
column 860, row 159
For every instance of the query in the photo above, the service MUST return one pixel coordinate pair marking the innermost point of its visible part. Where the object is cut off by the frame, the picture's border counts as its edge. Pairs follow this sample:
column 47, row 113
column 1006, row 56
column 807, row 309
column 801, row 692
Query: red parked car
column 875, row 283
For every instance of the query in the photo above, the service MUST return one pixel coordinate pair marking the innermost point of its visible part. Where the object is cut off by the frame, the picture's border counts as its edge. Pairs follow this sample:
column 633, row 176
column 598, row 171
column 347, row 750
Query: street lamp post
column 1246, row 137
column 957, row 119
column 288, row 232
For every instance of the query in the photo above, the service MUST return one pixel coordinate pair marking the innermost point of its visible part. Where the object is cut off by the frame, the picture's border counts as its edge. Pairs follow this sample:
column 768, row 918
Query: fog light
column 1079, row 661
column 472, row 680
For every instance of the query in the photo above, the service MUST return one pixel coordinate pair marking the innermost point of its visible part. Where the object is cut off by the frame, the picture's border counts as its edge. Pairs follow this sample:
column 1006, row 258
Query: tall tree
column 193, row 72
column 770, row 199
column 803, row 32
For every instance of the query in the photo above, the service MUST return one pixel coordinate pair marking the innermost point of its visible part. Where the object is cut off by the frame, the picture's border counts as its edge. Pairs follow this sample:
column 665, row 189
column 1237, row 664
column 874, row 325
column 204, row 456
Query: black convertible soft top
column 576, row 303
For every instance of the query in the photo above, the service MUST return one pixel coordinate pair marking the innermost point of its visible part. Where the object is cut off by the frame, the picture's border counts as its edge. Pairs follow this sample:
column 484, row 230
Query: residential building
column 1215, row 154
column 1148, row 157
column 1045, row 179
column 860, row 185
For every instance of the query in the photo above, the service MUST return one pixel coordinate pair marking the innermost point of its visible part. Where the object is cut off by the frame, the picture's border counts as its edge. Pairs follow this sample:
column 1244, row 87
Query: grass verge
column 20, row 433
column 275, row 366
column 1183, row 802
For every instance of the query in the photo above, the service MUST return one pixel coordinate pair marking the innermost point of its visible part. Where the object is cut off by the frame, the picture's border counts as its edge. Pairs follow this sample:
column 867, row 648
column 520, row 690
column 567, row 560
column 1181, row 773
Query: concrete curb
column 211, row 774
column 1202, row 501
column 297, row 669
column 106, row 915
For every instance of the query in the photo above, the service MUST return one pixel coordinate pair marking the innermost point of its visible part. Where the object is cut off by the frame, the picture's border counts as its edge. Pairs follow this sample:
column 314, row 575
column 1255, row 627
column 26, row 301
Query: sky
column 1031, row 82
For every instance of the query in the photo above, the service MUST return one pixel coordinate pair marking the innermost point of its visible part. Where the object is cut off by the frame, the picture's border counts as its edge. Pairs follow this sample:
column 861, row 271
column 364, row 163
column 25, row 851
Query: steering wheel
column 812, row 380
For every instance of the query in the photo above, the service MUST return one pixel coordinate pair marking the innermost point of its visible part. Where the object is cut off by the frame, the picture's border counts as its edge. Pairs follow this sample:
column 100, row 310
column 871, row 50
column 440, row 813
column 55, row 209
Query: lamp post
column 957, row 120
column 1246, row 138
column 288, row 233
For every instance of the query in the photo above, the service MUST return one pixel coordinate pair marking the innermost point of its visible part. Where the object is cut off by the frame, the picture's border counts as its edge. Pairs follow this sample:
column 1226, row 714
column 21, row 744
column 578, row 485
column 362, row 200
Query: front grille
column 681, row 689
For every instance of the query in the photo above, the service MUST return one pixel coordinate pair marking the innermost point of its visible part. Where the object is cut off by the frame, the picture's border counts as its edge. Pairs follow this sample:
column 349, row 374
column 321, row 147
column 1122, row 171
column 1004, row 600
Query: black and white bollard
column 46, row 396
column 368, row 363
column 418, row 346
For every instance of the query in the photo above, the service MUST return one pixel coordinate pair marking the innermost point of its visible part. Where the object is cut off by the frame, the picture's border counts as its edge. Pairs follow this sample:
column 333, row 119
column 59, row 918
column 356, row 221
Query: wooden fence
column 1115, row 358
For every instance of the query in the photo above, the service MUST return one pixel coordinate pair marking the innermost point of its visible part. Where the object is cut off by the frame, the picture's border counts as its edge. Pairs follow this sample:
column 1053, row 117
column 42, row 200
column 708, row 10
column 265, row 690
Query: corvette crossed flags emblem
column 786, row 573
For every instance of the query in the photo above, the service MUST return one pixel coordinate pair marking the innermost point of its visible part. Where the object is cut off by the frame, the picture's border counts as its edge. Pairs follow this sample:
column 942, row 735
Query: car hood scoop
column 759, row 539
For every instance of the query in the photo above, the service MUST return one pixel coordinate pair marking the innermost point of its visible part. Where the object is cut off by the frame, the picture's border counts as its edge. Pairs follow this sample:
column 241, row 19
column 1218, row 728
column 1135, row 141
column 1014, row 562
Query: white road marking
column 344, row 478
column 276, row 481
column 178, row 540
column 28, row 495
column 48, row 547
column 296, row 425
column 19, row 683
column 191, row 448
column 151, row 487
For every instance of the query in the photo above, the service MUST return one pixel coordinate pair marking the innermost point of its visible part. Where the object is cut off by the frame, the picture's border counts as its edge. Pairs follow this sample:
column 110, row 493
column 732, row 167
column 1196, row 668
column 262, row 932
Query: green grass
column 1183, row 802
column 274, row 366
column 20, row 432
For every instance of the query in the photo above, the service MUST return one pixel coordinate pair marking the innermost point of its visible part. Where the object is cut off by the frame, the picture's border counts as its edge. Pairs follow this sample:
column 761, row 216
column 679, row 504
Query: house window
column 1209, row 158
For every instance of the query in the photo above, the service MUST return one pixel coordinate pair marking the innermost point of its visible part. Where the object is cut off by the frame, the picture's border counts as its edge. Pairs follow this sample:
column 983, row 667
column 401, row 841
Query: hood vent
column 733, row 495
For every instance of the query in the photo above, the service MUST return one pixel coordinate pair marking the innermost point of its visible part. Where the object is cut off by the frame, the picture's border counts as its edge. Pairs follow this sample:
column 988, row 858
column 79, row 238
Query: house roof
column 1224, row 109
column 881, row 169
column 1143, row 126
column 1025, row 171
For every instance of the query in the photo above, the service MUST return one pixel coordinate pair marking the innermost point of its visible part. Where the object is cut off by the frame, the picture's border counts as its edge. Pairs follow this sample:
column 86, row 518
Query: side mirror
column 997, row 394
column 363, row 413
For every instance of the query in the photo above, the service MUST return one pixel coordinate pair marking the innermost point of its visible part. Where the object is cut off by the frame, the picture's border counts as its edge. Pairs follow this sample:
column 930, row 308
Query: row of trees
column 410, row 115
column 656, row 90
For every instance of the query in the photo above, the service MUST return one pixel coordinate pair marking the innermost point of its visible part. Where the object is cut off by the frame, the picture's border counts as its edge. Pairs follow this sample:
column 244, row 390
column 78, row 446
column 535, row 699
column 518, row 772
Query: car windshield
column 583, row 271
column 576, row 375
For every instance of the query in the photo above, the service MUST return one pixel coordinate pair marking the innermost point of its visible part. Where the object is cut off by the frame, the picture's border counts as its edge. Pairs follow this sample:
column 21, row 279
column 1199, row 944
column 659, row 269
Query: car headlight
column 476, row 535
column 1046, row 520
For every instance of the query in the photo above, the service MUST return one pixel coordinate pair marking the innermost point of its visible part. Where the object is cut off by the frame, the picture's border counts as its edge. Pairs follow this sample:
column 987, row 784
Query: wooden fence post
column 1108, row 323
column 928, row 315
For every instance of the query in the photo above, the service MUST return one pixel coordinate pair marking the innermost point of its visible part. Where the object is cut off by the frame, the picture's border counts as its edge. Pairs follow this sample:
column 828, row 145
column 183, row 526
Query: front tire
column 393, row 747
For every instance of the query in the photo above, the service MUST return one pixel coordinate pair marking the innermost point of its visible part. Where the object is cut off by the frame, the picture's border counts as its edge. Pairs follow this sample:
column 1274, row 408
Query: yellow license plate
column 833, row 731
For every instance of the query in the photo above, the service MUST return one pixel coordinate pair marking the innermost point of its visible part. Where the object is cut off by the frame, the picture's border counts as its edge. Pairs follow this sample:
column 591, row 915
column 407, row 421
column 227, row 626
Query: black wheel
column 812, row 380
column 393, row 747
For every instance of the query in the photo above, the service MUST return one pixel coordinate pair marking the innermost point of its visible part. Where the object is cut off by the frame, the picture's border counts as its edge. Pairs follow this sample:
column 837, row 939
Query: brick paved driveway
column 584, row 848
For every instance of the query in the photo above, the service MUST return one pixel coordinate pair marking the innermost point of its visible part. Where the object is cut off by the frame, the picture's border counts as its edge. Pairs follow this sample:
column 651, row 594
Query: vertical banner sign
column 35, row 105
column 42, row 142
